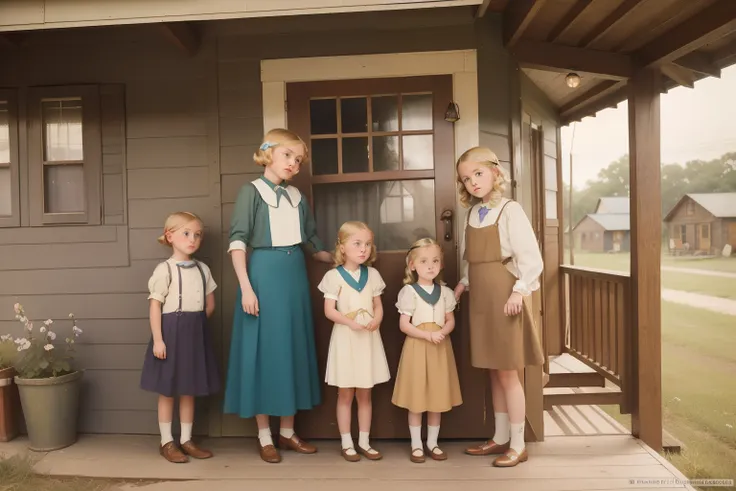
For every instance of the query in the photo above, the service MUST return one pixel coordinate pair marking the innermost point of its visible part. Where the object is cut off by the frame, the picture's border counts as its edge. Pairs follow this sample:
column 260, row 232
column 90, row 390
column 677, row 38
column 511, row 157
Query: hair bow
column 266, row 145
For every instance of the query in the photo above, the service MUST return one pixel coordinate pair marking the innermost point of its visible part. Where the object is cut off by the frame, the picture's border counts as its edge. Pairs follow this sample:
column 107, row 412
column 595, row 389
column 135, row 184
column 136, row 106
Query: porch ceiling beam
column 700, row 63
column 568, row 19
column 626, row 8
column 517, row 17
column 559, row 58
column 645, row 319
column 588, row 106
column 598, row 90
column 482, row 8
column 710, row 24
column 183, row 35
column 678, row 74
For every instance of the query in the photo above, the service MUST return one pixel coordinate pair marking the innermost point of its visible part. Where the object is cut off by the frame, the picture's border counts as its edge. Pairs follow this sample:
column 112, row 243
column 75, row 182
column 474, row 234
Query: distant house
column 702, row 223
column 605, row 230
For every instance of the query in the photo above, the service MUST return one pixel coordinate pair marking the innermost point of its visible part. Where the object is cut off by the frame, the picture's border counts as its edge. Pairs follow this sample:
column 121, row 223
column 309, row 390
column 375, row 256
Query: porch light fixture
column 572, row 80
column 453, row 112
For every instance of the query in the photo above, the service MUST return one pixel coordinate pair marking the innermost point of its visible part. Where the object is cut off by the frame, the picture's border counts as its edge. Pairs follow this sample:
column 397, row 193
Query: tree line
column 696, row 176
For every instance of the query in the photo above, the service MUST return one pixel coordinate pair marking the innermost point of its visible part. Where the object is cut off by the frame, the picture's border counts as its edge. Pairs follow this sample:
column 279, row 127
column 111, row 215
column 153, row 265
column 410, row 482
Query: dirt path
column 702, row 272
column 700, row 301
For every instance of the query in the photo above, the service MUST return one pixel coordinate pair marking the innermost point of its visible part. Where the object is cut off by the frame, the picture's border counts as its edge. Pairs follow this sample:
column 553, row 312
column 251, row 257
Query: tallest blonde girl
column 273, row 362
column 502, row 265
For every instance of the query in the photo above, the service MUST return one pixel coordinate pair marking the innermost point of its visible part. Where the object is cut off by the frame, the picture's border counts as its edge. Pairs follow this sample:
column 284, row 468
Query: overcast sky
column 697, row 123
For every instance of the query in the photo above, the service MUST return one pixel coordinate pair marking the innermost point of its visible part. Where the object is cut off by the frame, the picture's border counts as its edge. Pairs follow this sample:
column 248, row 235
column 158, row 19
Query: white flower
column 6, row 337
column 43, row 329
column 51, row 335
column 17, row 307
column 77, row 331
column 48, row 347
column 729, row 426
column 29, row 326
column 71, row 316
column 20, row 340
column 23, row 319
column 23, row 343
column 677, row 399
column 48, row 322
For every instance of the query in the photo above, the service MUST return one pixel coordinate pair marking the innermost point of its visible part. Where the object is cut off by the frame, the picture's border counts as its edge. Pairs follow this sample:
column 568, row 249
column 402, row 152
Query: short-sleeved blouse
column 165, row 288
column 411, row 304
column 334, row 286
column 271, row 215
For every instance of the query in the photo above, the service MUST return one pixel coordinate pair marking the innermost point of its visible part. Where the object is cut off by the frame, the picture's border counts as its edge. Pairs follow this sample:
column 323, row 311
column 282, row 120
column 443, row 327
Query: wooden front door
column 381, row 152
column 703, row 237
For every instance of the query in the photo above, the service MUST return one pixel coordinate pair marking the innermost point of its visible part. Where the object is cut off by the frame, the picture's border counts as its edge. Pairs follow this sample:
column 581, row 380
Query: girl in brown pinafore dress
column 503, row 264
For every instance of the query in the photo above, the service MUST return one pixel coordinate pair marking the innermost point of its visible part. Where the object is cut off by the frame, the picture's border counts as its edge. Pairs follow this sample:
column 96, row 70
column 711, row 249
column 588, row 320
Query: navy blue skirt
column 190, row 367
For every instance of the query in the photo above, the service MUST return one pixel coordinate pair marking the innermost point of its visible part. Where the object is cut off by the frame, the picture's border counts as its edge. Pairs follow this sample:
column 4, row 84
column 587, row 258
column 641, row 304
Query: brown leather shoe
column 189, row 448
column 370, row 453
column 296, row 444
column 172, row 453
column 268, row 453
column 511, row 458
column 417, row 459
column 437, row 454
column 350, row 457
column 488, row 448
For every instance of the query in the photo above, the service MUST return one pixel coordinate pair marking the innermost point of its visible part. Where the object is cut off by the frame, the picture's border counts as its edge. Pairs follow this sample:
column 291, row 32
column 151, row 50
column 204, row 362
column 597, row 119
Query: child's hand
column 355, row 326
column 435, row 337
column 513, row 305
column 250, row 302
column 372, row 326
column 159, row 350
column 459, row 289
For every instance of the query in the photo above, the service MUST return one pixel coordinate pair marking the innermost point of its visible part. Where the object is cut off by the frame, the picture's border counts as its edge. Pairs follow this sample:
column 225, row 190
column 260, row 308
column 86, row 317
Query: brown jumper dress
column 497, row 341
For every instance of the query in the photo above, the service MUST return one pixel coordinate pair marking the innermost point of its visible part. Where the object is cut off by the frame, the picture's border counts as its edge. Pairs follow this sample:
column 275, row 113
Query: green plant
column 37, row 356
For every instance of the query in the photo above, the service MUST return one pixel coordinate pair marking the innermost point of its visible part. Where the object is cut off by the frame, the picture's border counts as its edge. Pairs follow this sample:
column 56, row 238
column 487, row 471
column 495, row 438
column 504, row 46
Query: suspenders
column 204, row 284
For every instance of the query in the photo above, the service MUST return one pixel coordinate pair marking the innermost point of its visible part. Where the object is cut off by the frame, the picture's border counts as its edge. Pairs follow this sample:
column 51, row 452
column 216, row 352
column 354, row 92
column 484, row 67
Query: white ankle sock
column 517, row 436
column 287, row 432
column 364, row 440
column 347, row 443
column 433, row 432
column 416, row 437
column 502, row 428
column 165, row 429
column 264, row 436
column 186, row 432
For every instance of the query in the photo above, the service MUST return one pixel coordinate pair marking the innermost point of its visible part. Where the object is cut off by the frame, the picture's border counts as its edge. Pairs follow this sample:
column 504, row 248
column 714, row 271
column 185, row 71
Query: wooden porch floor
column 561, row 463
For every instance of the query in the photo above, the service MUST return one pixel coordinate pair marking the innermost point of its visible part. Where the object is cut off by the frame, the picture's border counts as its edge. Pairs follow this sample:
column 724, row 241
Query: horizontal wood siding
column 160, row 155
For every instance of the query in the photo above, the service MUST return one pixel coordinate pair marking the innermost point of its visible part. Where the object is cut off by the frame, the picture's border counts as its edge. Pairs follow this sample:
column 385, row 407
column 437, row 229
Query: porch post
column 646, row 224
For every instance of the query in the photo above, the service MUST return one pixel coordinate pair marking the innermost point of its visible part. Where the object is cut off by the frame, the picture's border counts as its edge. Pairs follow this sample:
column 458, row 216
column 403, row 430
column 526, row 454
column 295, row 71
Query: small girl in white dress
column 356, row 360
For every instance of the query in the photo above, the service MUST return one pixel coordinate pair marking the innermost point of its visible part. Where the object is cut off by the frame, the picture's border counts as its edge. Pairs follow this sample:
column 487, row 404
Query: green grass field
column 698, row 400
column 620, row 262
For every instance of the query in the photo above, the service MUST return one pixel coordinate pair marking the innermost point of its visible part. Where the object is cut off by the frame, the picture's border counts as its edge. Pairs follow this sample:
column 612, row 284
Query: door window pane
column 550, row 173
column 418, row 152
column 416, row 112
column 354, row 114
column 324, row 156
column 398, row 212
column 385, row 113
column 550, row 204
column 355, row 155
column 323, row 116
column 4, row 133
column 64, row 188
column 62, row 130
column 5, row 195
column 385, row 153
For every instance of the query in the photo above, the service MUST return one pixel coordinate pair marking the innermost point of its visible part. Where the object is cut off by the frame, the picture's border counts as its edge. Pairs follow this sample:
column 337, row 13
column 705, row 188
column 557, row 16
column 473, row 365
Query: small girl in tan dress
column 503, row 264
column 427, row 378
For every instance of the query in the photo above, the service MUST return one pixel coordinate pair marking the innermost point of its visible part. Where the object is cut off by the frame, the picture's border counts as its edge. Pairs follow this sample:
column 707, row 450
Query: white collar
column 269, row 195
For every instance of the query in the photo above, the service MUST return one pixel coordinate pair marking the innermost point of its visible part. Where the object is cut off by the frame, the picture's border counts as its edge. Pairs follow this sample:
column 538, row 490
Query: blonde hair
column 277, row 136
column 411, row 276
column 485, row 156
column 348, row 229
column 174, row 222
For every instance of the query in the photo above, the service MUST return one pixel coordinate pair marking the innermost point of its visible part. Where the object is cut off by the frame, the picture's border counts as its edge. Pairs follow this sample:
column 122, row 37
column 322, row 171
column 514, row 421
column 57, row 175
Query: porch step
column 577, row 396
column 567, row 371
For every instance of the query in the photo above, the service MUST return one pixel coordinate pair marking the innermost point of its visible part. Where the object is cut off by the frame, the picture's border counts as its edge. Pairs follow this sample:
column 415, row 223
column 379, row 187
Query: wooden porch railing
column 599, row 334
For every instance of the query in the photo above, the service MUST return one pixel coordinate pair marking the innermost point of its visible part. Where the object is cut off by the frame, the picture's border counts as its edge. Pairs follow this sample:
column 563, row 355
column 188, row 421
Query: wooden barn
column 114, row 114
column 607, row 229
column 702, row 223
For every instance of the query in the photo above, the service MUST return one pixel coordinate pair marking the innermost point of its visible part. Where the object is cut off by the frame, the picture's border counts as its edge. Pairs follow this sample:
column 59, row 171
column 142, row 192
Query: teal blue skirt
column 273, row 360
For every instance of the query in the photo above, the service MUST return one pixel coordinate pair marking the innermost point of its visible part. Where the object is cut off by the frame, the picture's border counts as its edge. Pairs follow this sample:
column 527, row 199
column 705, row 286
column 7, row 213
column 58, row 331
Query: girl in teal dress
column 273, row 362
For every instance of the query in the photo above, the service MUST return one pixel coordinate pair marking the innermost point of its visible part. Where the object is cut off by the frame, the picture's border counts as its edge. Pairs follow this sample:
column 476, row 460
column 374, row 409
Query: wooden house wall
column 691, row 222
column 585, row 236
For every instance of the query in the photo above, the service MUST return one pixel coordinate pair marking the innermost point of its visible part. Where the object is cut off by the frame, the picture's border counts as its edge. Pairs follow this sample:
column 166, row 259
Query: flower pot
column 8, row 405
column 50, row 407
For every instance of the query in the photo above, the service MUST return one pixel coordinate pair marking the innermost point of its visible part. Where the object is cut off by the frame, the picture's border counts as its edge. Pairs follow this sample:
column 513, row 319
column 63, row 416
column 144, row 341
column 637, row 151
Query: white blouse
column 165, row 288
column 411, row 304
column 517, row 241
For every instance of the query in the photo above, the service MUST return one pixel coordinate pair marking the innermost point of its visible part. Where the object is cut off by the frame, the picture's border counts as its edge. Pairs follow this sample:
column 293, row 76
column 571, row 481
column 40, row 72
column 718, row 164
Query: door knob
column 446, row 217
